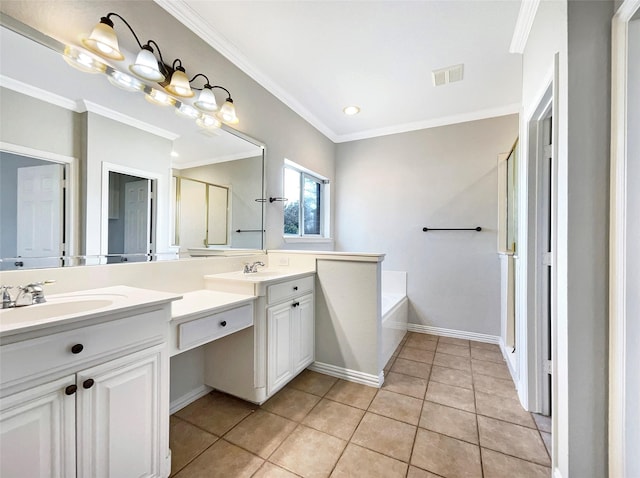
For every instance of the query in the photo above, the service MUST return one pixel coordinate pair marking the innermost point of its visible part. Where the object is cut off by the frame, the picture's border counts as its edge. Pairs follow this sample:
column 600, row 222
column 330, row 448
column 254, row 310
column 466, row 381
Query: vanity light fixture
column 158, row 97
column 103, row 41
column 82, row 61
column 351, row 110
column 124, row 81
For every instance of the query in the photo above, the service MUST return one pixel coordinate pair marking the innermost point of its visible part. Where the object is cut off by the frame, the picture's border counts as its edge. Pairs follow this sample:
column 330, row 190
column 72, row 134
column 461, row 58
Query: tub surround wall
column 439, row 177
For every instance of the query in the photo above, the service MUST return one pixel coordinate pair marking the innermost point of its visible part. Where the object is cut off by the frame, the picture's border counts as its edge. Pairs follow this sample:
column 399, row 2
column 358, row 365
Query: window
column 305, row 207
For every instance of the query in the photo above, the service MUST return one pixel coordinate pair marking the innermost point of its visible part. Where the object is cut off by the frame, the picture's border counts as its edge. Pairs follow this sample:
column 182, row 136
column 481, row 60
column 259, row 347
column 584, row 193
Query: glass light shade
column 187, row 111
column 227, row 113
column 82, row 61
column 158, row 97
column 208, row 122
column 146, row 66
column 124, row 81
column 206, row 101
column 179, row 85
column 104, row 42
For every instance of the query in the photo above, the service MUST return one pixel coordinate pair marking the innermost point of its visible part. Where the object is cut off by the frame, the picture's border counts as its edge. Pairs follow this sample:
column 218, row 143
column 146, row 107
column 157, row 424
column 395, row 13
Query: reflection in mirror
column 32, row 199
column 82, row 117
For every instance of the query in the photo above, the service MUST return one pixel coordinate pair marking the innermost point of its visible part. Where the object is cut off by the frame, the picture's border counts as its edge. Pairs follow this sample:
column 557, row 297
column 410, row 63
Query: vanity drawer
column 292, row 288
column 215, row 326
column 73, row 349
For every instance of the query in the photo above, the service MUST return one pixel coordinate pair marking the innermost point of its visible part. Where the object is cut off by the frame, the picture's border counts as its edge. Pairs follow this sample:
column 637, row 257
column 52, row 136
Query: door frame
column 71, row 193
column 104, row 204
column 618, row 288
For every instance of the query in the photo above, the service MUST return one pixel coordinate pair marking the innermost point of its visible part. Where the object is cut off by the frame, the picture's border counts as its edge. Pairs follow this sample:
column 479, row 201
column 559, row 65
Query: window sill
column 307, row 240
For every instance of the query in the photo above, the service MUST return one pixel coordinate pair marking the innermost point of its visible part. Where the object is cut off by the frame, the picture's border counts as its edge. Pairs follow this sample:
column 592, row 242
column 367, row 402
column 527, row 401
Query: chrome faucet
column 28, row 295
column 252, row 268
column 7, row 301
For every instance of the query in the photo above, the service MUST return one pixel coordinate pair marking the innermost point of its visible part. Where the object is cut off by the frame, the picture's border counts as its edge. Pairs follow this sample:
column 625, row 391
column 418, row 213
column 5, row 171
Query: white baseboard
column 508, row 354
column 187, row 398
column 457, row 334
column 348, row 374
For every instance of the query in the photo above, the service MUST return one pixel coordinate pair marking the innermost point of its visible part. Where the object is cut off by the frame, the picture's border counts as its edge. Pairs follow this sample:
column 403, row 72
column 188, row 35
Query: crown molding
column 528, row 10
column 432, row 123
column 185, row 14
column 38, row 93
column 125, row 119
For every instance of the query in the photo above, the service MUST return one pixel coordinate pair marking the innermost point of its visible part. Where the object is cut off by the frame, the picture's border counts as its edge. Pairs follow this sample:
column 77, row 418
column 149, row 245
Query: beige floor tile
column 546, row 438
column 358, row 461
column 425, row 342
column 387, row 368
column 446, row 456
column 421, row 336
column 216, row 412
column 488, row 355
column 454, row 341
column 269, row 470
column 404, row 384
column 452, row 361
column 353, row 394
column 261, row 433
column 222, row 460
column 186, row 442
column 291, row 403
column 494, row 386
column 419, row 473
column 399, row 407
column 542, row 422
column 452, row 349
column 449, row 421
column 313, row 382
column 507, row 409
column 512, row 440
column 386, row 436
column 451, row 396
column 334, row 418
column 484, row 345
column 497, row 465
column 498, row 370
column 451, row 376
column 411, row 367
column 309, row 453
column 417, row 355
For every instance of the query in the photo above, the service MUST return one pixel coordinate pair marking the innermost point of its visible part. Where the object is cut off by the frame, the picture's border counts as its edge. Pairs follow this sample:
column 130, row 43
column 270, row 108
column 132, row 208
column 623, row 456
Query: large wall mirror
column 92, row 174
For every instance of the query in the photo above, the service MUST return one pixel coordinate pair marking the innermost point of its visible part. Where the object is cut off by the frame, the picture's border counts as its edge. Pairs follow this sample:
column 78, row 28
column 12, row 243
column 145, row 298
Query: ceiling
column 320, row 56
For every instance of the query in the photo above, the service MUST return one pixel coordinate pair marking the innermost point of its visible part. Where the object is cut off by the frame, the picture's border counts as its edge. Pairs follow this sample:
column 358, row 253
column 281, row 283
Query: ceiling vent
column 447, row 75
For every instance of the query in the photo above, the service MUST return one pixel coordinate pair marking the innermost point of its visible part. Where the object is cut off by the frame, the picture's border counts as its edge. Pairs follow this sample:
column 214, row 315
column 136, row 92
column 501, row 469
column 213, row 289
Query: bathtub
column 394, row 312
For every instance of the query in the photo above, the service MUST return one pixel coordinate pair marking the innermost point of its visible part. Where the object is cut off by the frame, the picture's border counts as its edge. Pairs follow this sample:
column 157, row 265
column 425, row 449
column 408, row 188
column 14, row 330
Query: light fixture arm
column 223, row 88
column 206, row 85
column 110, row 23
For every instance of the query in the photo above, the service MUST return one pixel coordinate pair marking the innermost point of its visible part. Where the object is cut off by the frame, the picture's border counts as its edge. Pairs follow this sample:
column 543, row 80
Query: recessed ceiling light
column 174, row 154
column 351, row 110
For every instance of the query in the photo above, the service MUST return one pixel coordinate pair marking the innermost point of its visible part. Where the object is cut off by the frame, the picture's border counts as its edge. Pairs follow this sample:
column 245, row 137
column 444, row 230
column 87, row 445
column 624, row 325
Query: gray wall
column 390, row 187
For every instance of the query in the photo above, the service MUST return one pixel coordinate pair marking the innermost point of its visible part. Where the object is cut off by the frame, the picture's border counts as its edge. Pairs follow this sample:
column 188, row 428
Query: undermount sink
column 261, row 275
column 59, row 306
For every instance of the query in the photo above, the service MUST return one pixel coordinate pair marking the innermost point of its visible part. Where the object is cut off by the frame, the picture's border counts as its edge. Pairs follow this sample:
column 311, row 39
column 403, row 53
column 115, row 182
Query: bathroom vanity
column 84, row 383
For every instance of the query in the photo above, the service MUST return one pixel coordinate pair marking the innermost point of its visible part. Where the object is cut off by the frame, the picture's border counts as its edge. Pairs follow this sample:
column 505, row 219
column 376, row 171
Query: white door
column 40, row 215
column 279, row 351
column 119, row 413
column 137, row 213
column 38, row 431
column 304, row 333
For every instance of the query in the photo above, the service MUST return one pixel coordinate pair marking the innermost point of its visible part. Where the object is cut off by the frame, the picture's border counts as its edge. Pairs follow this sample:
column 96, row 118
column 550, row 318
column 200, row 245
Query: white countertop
column 201, row 302
column 85, row 305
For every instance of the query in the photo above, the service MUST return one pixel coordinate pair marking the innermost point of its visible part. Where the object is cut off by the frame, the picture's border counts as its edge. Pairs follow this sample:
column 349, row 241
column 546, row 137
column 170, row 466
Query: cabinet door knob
column 295, row 287
column 295, row 304
column 71, row 389
column 77, row 348
column 88, row 383
column 223, row 323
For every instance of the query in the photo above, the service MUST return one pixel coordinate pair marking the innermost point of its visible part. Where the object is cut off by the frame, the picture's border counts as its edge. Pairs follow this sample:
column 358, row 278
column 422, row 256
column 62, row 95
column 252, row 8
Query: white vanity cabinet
column 87, row 400
column 255, row 363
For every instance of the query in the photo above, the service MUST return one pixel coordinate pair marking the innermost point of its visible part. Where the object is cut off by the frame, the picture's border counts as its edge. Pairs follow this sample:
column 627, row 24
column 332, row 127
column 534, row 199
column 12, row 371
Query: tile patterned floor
column 448, row 408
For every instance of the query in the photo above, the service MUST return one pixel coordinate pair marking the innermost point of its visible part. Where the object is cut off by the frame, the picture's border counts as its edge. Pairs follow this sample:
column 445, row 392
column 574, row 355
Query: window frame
column 324, row 201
